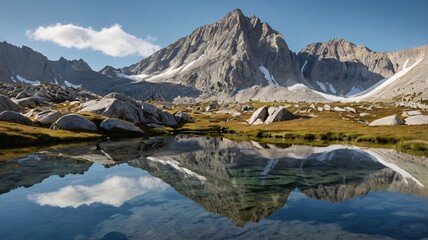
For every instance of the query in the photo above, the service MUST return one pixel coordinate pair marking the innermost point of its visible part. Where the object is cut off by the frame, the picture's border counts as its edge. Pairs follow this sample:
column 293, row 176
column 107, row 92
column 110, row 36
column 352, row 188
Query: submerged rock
column 74, row 122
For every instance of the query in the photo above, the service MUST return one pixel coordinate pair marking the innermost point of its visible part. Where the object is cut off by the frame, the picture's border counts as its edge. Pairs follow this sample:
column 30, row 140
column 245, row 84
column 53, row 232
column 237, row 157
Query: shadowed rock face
column 225, row 56
column 345, row 65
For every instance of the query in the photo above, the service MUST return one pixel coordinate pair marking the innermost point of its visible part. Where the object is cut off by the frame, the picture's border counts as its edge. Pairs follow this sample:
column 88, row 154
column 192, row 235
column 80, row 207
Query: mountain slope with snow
column 348, row 69
column 24, row 65
column 235, row 53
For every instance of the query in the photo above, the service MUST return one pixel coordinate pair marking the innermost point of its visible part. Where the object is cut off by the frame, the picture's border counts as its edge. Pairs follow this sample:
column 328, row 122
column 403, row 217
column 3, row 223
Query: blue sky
column 381, row 25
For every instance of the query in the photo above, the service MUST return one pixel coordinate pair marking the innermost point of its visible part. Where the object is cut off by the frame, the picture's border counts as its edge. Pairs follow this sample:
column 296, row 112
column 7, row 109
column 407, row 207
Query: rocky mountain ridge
column 234, row 53
column 340, row 67
column 238, row 58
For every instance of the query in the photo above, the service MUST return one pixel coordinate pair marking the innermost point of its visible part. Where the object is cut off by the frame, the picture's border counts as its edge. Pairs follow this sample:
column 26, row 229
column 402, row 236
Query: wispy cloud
column 112, row 41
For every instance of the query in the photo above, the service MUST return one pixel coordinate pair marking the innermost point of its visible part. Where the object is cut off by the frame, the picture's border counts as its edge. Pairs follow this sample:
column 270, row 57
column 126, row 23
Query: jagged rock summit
column 340, row 67
column 237, row 52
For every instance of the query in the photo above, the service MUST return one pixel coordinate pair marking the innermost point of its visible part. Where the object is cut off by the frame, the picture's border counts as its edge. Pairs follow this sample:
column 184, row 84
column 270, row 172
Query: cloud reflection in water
column 114, row 191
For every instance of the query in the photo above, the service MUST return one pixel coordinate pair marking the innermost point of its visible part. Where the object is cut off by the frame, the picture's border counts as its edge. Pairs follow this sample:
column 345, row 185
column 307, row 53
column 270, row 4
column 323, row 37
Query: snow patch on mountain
column 71, row 85
column 32, row 82
column 268, row 76
column 303, row 67
column 332, row 89
column 354, row 91
column 322, row 86
column 375, row 88
column 157, row 78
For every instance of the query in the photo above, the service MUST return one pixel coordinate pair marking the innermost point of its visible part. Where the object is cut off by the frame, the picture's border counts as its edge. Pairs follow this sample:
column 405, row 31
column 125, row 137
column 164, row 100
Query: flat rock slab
column 417, row 120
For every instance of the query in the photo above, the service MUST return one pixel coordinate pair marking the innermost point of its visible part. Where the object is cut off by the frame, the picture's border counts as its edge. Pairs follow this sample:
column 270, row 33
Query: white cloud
column 113, row 191
column 112, row 41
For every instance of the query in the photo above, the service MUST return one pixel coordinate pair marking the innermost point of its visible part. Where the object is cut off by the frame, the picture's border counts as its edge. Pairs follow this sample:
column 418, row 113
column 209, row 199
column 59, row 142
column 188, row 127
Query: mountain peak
column 236, row 12
column 233, row 53
column 235, row 17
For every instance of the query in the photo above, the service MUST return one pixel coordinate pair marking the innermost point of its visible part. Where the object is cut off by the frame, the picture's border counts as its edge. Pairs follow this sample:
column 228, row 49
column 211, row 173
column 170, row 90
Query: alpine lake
column 193, row 187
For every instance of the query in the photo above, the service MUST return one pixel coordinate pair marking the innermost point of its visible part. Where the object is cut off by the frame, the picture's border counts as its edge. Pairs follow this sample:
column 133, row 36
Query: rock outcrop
column 110, row 124
column 261, row 113
column 182, row 117
column 74, row 122
column 15, row 117
column 278, row 114
column 47, row 117
column 387, row 121
column 115, row 105
column 8, row 105
column 265, row 115
column 417, row 120
column 44, row 93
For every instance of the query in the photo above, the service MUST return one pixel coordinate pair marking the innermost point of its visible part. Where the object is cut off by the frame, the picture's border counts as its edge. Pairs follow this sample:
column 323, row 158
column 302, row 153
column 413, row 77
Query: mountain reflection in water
column 245, row 182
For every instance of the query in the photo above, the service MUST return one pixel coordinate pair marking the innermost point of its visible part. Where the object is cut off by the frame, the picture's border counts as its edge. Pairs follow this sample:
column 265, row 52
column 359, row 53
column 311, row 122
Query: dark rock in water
column 15, row 117
column 8, row 105
column 74, row 122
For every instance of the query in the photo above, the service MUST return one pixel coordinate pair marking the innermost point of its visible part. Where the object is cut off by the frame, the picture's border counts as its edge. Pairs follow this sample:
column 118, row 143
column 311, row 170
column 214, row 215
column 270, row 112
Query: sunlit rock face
column 233, row 53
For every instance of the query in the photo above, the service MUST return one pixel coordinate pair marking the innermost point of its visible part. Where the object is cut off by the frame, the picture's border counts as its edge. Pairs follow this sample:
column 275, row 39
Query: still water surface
column 211, row 188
